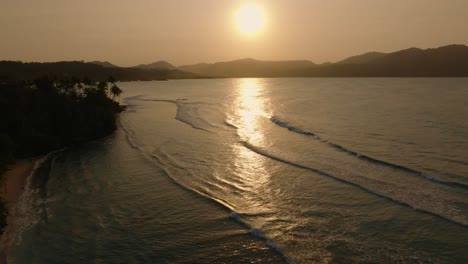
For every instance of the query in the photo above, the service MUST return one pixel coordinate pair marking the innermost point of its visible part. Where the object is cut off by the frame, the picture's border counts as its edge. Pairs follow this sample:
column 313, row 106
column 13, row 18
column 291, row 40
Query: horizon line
column 246, row 58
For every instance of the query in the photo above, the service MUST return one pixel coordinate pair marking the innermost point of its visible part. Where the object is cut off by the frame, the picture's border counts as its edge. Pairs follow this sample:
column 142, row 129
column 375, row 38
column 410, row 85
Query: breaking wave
column 298, row 130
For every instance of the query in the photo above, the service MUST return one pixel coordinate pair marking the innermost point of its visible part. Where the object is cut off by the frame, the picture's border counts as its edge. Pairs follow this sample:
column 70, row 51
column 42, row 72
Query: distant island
column 446, row 61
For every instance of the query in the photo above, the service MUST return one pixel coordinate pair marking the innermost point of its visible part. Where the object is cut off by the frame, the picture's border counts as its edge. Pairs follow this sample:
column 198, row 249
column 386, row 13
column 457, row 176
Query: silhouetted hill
column 447, row 55
column 28, row 71
column 197, row 68
column 105, row 64
column 362, row 59
column 251, row 68
column 447, row 61
column 159, row 65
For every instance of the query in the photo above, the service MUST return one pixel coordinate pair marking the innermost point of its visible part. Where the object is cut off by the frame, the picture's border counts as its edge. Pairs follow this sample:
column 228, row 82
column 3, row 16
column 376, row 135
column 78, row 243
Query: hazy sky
column 129, row 32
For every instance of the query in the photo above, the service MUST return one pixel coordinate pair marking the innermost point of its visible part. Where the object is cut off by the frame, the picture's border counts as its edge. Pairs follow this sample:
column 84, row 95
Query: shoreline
column 13, row 182
column 14, row 179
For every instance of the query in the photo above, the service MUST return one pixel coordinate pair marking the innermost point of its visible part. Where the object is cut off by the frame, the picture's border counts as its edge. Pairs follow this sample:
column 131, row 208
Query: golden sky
column 130, row 32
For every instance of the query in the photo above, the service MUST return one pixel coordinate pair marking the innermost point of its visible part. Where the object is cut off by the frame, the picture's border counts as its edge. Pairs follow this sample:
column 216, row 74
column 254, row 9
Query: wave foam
column 423, row 206
column 27, row 212
column 262, row 236
column 290, row 127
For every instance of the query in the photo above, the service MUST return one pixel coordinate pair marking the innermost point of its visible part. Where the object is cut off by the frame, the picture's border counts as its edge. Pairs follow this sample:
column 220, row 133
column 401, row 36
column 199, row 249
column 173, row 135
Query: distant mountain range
column 105, row 64
column 446, row 61
column 159, row 65
column 13, row 70
column 251, row 68
column 363, row 59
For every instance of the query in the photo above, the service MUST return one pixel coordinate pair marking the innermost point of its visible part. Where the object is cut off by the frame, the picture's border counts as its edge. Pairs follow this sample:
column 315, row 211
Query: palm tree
column 102, row 87
column 115, row 91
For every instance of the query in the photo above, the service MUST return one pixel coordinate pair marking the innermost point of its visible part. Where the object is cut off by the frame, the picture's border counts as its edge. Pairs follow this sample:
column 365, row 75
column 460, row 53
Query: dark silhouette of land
column 252, row 68
column 48, row 114
column 97, row 71
column 105, row 64
column 363, row 59
column 447, row 61
column 159, row 65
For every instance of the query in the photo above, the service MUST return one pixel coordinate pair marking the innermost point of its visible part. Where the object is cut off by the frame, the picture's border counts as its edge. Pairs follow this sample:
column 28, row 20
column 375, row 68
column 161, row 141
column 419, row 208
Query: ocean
column 301, row 170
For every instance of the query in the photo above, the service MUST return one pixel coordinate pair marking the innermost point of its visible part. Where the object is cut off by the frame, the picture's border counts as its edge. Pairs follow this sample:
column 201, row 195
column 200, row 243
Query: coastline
column 13, row 182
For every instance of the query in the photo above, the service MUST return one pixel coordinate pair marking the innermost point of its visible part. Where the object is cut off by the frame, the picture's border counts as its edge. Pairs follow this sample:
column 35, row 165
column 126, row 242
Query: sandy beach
column 13, row 182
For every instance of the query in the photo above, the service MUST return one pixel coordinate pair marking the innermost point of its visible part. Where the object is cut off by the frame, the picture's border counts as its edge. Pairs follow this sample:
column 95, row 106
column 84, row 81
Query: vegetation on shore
column 17, row 70
column 51, row 113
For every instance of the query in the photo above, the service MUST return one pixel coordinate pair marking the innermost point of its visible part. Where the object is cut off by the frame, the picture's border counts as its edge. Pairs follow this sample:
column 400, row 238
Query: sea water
column 312, row 170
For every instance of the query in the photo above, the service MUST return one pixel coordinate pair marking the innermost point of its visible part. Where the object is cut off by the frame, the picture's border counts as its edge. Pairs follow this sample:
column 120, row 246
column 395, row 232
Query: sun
column 250, row 19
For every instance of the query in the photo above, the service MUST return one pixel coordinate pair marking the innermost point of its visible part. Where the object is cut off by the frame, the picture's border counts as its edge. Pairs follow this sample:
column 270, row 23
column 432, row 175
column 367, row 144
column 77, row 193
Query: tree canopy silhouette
column 49, row 113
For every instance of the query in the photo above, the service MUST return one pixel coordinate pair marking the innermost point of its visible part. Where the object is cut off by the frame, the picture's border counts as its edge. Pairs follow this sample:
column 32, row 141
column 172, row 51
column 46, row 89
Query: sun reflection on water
column 251, row 113
column 251, row 108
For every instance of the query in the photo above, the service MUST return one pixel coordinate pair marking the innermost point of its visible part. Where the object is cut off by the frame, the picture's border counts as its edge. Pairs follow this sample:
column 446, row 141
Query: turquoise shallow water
column 263, row 171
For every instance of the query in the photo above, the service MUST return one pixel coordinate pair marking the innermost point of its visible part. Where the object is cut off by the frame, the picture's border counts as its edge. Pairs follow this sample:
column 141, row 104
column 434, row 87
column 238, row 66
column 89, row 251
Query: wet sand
column 13, row 182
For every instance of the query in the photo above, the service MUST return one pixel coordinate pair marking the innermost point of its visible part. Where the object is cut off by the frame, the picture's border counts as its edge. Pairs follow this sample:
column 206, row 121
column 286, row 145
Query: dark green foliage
column 16, row 70
column 2, row 216
column 115, row 91
column 6, row 154
column 48, row 114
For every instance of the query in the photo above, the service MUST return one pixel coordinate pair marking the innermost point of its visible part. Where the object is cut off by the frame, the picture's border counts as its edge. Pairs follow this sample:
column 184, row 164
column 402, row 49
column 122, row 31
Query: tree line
column 51, row 113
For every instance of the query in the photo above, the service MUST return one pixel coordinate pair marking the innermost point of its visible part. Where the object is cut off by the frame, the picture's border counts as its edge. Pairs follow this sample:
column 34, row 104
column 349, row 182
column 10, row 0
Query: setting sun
column 232, row 131
column 250, row 19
